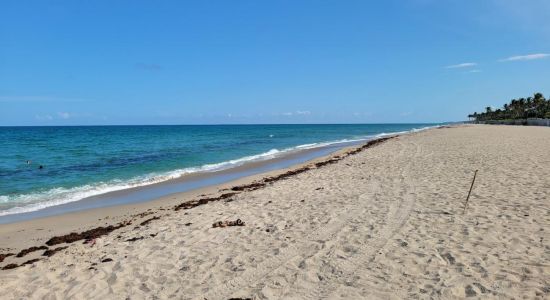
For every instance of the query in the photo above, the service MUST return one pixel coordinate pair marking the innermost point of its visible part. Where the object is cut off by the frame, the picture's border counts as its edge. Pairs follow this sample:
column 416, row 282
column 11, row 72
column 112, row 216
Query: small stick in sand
column 469, row 192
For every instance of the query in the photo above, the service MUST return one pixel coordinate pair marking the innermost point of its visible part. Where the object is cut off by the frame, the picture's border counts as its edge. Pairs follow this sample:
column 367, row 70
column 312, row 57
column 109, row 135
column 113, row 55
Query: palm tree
column 536, row 106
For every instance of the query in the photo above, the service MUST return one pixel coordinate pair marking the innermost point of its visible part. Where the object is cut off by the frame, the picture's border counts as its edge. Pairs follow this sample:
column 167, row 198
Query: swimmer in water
column 29, row 162
column 41, row 167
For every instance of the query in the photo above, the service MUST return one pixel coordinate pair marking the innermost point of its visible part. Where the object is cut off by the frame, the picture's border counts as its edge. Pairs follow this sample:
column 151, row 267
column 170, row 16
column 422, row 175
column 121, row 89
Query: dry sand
column 387, row 222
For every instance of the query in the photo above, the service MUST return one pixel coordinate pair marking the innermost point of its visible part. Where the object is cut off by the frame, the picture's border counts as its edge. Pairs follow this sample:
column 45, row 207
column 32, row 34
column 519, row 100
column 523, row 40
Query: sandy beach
column 385, row 222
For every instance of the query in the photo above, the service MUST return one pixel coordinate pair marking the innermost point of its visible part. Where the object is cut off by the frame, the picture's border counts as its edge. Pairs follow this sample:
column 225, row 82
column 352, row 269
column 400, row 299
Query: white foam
column 58, row 196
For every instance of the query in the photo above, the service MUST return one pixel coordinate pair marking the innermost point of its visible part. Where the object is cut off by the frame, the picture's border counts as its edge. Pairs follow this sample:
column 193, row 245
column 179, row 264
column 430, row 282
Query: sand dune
column 387, row 222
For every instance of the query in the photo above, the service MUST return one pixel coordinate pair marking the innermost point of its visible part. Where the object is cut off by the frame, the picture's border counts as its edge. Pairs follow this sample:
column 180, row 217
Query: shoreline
column 287, row 158
column 27, row 233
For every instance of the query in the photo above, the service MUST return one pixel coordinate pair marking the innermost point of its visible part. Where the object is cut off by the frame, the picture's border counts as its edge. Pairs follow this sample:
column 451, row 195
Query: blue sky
column 211, row 62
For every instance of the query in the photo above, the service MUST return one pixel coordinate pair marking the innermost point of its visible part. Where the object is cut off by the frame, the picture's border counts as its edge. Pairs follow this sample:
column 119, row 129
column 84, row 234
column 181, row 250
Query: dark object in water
column 41, row 167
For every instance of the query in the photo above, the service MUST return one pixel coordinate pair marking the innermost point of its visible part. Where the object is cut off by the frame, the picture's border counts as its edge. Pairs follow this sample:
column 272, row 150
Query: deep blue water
column 83, row 161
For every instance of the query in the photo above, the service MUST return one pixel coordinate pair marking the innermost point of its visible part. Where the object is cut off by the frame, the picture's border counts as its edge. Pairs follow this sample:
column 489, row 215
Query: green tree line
column 523, row 108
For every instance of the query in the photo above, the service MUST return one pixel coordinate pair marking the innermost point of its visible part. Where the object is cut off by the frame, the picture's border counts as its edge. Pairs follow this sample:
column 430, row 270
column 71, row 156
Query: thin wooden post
column 469, row 192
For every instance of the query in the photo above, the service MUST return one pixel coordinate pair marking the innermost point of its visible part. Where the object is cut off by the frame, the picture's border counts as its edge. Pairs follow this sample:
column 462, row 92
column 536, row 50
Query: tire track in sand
column 321, row 235
column 368, row 251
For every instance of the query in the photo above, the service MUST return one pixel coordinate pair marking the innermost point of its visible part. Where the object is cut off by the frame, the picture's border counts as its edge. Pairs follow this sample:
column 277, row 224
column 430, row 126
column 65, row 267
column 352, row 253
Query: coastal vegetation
column 518, row 109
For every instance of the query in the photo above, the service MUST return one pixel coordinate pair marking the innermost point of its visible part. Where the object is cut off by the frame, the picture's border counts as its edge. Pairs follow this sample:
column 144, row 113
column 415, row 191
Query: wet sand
column 185, row 183
column 385, row 222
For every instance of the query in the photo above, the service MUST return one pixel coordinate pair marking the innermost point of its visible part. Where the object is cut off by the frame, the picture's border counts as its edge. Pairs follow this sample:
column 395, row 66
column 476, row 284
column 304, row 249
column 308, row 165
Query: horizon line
column 233, row 124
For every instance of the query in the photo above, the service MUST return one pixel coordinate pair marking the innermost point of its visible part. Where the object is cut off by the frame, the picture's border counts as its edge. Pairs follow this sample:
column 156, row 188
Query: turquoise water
column 84, row 161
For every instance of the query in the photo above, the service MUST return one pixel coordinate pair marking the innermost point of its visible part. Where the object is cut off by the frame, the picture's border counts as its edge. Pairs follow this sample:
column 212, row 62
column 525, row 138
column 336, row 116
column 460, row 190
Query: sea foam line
column 57, row 196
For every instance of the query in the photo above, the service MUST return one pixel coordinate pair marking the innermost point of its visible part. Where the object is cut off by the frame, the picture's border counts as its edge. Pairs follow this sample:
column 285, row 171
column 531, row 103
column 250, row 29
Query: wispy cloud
column 64, row 115
column 149, row 67
column 462, row 65
column 526, row 57
column 297, row 113
column 43, row 117
column 474, row 71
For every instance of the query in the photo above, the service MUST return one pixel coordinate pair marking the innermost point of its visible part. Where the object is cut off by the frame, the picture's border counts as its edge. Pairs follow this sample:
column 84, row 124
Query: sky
column 237, row 62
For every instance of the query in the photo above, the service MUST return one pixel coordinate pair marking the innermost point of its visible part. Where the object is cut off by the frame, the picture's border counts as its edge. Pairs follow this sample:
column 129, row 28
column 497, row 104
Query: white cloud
column 43, row 117
column 296, row 113
column 462, row 65
column 526, row 57
column 474, row 71
column 64, row 115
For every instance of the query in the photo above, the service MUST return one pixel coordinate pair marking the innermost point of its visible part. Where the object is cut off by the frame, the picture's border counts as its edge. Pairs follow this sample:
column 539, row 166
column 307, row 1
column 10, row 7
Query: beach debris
column 51, row 252
column 237, row 222
column 149, row 220
column 10, row 266
column 106, row 260
column 469, row 192
column 4, row 255
column 85, row 235
column 90, row 241
column 29, row 250
column 248, row 187
column 13, row 266
column 287, row 174
column 135, row 239
column 28, row 262
column 143, row 214
column 195, row 203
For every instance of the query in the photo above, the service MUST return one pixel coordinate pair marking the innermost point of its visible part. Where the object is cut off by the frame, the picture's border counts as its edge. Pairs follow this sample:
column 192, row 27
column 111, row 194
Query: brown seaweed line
column 258, row 185
column 29, row 250
column 149, row 220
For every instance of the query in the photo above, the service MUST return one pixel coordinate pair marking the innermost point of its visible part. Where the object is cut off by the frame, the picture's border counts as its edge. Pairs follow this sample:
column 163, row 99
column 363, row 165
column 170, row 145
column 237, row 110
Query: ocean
column 84, row 161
